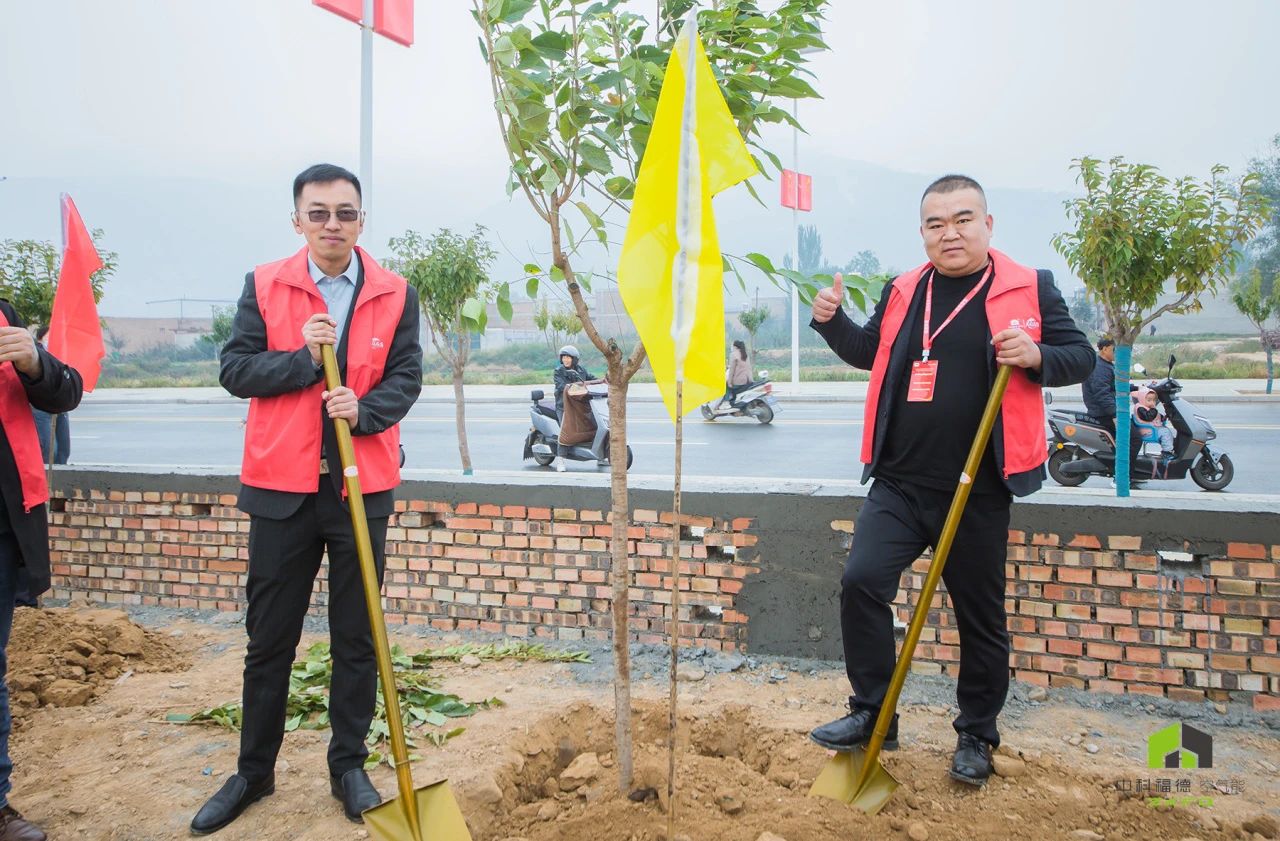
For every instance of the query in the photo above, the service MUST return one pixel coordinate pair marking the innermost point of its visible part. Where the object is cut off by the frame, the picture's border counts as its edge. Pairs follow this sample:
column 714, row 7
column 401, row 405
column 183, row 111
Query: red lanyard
column 928, row 338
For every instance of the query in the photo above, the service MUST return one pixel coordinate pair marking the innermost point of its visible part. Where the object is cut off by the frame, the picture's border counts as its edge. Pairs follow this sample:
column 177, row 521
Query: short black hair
column 324, row 174
column 41, row 332
column 1104, row 342
column 952, row 182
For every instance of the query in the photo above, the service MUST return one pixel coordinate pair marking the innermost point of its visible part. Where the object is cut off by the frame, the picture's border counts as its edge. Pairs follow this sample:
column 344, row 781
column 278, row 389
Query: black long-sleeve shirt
column 1066, row 358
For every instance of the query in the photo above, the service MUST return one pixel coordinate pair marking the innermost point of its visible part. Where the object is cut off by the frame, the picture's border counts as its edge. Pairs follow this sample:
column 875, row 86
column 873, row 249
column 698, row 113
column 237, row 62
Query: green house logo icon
column 1180, row 746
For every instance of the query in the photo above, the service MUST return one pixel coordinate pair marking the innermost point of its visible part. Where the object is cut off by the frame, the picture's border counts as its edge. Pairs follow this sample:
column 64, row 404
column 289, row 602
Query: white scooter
column 756, row 400
column 543, row 441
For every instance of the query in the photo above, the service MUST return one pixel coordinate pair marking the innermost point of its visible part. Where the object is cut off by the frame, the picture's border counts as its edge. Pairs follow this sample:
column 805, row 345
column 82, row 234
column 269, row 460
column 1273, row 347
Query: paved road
column 806, row 441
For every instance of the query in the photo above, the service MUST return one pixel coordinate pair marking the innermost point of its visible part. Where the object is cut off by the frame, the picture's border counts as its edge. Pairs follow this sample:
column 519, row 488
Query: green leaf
column 761, row 262
column 620, row 187
column 505, row 310
column 531, row 287
column 557, row 276
column 597, row 224
column 515, row 10
column 532, row 268
column 504, row 52
column 595, row 157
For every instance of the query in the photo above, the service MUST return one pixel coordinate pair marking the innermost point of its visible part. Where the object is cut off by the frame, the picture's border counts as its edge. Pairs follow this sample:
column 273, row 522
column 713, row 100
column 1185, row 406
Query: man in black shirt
column 933, row 345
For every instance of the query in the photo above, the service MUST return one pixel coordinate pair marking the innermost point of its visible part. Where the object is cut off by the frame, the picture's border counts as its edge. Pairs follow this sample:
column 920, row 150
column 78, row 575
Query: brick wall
column 473, row 566
column 1098, row 609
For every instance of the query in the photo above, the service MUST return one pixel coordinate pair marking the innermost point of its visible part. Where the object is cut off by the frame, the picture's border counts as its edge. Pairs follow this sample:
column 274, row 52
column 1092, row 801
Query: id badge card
column 924, row 373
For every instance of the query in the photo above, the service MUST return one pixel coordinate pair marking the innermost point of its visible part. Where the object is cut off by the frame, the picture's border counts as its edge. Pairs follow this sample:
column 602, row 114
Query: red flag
column 352, row 10
column 75, row 334
column 394, row 19
column 804, row 198
column 788, row 188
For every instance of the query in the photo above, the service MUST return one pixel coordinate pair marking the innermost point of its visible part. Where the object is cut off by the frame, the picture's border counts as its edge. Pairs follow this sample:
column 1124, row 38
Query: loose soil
column 65, row 657
column 542, row 768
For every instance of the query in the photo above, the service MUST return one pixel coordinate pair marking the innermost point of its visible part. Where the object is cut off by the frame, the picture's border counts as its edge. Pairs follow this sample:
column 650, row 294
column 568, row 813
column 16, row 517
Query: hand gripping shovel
column 858, row 777
column 429, row 813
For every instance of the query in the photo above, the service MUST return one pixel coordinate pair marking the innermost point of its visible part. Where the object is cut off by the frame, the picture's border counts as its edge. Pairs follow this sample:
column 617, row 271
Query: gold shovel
column 858, row 777
column 429, row 813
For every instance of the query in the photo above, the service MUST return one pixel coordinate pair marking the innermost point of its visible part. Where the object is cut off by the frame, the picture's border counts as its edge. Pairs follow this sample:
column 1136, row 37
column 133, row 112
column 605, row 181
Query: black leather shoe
column 356, row 793
column 853, row 731
column 972, row 761
column 236, row 795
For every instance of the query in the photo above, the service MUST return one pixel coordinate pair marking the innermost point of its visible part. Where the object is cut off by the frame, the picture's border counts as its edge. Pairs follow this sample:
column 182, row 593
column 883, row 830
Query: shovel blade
column 439, row 817
column 839, row 781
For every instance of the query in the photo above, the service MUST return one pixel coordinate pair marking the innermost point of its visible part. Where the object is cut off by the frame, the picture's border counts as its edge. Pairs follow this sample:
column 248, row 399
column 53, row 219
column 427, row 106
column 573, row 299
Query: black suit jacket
column 1066, row 357
column 58, row 390
column 248, row 369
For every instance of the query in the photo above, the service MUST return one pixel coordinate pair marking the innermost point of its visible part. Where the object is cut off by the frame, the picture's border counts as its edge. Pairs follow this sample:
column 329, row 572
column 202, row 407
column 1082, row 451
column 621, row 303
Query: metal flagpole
column 366, row 108
column 795, row 227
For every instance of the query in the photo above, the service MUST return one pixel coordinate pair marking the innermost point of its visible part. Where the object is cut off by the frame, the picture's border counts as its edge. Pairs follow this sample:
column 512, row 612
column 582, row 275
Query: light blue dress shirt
column 336, row 291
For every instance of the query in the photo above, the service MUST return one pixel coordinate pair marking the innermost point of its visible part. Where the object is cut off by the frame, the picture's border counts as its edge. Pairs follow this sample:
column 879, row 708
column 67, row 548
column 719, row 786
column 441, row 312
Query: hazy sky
column 250, row 91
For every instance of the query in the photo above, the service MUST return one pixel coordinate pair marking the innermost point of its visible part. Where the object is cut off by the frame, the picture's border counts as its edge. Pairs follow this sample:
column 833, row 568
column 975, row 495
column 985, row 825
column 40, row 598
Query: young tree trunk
column 1270, row 368
column 460, row 415
column 620, row 574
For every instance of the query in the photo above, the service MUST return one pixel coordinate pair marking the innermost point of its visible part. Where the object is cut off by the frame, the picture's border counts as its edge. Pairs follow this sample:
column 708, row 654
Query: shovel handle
column 943, row 549
column 372, row 598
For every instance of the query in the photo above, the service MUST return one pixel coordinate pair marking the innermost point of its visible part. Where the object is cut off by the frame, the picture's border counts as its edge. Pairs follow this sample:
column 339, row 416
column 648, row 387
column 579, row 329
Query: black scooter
column 1081, row 446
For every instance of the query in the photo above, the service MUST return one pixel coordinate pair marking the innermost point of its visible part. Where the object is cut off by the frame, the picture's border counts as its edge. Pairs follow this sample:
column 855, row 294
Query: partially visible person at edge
column 739, row 373
column 569, row 370
column 932, row 345
column 45, row 428
column 30, row 378
column 328, row 293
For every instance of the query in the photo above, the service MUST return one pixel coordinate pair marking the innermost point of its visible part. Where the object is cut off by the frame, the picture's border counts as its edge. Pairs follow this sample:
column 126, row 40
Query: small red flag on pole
column 789, row 188
column 75, row 334
column 804, row 197
column 350, row 9
column 394, row 19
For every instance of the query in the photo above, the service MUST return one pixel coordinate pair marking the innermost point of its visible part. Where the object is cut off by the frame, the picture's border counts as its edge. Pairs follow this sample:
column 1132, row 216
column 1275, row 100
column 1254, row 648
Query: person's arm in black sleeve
column 59, row 387
column 248, row 369
column 390, row 400
column 1066, row 357
column 853, row 344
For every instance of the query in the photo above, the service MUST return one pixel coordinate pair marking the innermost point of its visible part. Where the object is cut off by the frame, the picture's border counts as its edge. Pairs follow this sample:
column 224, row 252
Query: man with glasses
column 329, row 293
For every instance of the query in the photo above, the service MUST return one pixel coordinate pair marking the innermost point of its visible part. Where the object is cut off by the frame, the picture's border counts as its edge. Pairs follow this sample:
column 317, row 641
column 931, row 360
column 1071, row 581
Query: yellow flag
column 670, row 274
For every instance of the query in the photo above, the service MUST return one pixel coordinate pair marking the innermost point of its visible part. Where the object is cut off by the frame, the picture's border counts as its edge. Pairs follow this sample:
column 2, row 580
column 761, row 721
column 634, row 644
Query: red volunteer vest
column 1012, row 301
column 282, row 438
column 20, row 429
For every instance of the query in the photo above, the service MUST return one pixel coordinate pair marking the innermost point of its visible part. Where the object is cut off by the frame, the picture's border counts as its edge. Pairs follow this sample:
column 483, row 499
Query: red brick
column 1124, row 543
column 1115, row 616
column 1248, row 551
column 1266, row 703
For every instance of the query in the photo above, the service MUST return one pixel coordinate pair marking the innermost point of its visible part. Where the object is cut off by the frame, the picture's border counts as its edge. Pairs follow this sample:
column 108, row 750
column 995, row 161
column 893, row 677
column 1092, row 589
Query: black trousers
column 284, row 557
column 895, row 525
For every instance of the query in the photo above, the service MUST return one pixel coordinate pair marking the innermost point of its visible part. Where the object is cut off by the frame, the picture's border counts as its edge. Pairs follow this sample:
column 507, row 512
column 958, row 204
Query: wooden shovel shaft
column 890, row 704
column 373, row 601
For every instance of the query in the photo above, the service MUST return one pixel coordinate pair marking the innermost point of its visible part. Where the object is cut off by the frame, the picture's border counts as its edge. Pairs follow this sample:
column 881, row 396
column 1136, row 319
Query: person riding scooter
column 739, row 376
column 569, row 370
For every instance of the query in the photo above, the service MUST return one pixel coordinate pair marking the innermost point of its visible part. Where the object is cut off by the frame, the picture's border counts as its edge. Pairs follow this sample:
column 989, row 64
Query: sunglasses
column 344, row 214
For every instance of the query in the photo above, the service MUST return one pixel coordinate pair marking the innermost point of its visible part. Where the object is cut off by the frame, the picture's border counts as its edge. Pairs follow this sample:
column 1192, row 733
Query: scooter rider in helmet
column 568, row 371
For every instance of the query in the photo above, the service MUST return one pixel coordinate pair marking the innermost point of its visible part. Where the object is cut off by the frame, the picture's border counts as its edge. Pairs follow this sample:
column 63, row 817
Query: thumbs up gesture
column 829, row 300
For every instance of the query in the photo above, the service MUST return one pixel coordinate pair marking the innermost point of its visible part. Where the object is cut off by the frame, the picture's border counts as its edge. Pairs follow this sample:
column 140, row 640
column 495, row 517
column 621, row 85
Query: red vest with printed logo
column 20, row 429
column 1012, row 301
column 283, row 435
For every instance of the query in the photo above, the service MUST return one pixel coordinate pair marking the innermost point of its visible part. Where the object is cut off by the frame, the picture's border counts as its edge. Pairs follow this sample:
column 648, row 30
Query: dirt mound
column 64, row 657
column 739, row 780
